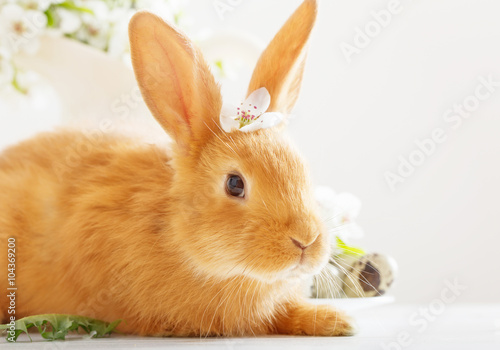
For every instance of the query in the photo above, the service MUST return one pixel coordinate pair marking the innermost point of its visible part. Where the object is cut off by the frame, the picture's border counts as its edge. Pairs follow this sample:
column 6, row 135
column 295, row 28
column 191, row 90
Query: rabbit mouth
column 304, row 267
column 299, row 271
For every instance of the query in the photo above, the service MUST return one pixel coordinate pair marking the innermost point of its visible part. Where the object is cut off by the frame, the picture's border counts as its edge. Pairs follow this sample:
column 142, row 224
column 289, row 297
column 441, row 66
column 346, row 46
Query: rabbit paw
column 320, row 320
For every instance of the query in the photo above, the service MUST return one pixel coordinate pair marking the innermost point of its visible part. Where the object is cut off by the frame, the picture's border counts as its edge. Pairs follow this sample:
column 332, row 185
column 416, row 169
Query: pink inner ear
column 175, row 80
column 180, row 92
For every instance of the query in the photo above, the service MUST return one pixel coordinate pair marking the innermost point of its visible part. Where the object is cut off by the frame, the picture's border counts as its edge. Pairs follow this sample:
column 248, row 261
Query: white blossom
column 251, row 114
column 339, row 212
column 102, row 24
column 69, row 21
column 118, row 40
column 20, row 28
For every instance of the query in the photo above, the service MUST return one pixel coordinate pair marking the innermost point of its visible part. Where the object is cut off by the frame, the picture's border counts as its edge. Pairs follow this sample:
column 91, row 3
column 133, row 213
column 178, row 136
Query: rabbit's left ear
column 281, row 65
column 175, row 81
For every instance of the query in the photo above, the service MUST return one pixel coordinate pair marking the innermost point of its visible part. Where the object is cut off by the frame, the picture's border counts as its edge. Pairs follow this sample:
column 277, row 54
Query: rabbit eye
column 235, row 186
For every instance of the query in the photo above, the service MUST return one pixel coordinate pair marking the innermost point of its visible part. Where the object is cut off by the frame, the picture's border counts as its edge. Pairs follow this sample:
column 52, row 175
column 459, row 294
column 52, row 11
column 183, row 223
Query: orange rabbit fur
column 120, row 229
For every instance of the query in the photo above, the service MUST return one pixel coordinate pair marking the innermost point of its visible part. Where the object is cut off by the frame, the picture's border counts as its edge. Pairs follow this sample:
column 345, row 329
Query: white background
column 354, row 120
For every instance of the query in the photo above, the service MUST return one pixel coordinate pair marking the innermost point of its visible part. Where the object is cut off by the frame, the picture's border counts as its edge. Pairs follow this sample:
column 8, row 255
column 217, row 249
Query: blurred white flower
column 6, row 69
column 170, row 10
column 102, row 24
column 21, row 28
column 25, row 80
column 40, row 5
column 338, row 212
column 96, row 27
column 94, row 32
column 69, row 21
column 118, row 40
column 100, row 9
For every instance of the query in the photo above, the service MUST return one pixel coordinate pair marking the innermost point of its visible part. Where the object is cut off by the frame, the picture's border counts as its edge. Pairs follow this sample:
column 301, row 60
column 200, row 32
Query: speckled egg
column 369, row 276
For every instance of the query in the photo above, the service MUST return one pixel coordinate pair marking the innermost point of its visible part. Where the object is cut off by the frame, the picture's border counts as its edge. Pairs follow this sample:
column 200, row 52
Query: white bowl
column 352, row 304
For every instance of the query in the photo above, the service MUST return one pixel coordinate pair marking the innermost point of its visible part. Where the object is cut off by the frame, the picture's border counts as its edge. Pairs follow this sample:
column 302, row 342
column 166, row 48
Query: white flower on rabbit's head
column 21, row 28
column 339, row 212
column 251, row 114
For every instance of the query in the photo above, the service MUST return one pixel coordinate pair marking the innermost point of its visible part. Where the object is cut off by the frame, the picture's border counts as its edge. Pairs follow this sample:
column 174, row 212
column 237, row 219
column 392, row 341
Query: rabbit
column 211, row 237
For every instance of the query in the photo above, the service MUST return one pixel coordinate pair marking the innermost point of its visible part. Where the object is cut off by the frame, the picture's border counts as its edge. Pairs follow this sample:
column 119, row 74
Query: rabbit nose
column 298, row 244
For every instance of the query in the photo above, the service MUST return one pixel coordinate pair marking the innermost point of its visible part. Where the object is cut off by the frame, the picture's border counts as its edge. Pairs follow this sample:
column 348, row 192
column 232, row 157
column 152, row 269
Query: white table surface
column 456, row 326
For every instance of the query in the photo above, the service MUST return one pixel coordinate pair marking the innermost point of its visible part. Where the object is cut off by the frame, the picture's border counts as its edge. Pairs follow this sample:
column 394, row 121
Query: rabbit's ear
column 281, row 65
column 176, row 83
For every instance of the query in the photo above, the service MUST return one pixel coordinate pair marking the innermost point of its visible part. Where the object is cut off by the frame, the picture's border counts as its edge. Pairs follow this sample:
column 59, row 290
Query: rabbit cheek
column 321, row 255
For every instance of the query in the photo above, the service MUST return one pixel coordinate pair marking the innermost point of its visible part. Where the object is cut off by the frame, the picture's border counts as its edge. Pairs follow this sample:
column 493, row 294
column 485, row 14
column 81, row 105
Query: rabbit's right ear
column 281, row 65
column 176, row 83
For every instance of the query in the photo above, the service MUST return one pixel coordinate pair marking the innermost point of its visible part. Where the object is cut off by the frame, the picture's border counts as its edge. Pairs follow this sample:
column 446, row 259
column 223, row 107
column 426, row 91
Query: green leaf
column 56, row 326
column 111, row 327
column 349, row 250
column 50, row 17
column 219, row 64
column 70, row 5
column 19, row 88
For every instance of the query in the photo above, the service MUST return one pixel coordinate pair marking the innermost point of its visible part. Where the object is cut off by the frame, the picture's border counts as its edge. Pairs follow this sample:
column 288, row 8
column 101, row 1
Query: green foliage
column 219, row 65
column 70, row 5
column 56, row 327
column 15, row 83
column 349, row 250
